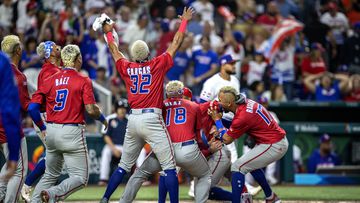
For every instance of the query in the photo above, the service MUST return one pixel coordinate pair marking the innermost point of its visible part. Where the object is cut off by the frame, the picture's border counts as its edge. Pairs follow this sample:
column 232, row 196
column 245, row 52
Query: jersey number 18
column 179, row 116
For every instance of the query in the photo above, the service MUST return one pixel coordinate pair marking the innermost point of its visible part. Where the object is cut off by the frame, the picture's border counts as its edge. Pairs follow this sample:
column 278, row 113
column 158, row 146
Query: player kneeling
column 253, row 119
column 183, row 122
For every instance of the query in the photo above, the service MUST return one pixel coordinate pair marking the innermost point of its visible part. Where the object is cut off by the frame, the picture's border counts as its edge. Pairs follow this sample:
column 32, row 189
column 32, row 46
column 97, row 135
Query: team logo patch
column 114, row 123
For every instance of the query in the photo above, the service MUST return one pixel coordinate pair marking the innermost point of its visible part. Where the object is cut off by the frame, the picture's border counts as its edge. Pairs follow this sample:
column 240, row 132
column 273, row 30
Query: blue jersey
column 331, row 94
column 10, row 107
column 117, row 130
column 181, row 63
column 316, row 160
column 89, row 52
column 203, row 61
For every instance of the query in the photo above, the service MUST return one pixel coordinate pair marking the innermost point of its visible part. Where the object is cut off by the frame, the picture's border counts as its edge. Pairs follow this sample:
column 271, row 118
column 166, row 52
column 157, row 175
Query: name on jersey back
column 139, row 71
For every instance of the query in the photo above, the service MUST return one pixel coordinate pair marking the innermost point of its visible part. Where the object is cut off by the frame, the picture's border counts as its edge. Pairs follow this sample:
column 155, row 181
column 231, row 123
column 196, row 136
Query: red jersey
column 313, row 67
column 23, row 95
column 66, row 94
column 47, row 70
column 144, row 81
column 253, row 119
column 206, row 125
column 182, row 118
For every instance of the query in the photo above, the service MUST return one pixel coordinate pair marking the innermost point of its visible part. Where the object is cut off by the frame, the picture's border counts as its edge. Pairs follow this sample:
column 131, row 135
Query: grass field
column 289, row 192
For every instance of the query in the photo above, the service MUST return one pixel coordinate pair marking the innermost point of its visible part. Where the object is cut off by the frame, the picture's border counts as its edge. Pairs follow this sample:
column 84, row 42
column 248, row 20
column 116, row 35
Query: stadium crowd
column 320, row 62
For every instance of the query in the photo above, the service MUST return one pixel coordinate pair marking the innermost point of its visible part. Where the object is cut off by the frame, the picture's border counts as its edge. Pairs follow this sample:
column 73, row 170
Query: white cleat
column 25, row 193
column 192, row 189
column 253, row 190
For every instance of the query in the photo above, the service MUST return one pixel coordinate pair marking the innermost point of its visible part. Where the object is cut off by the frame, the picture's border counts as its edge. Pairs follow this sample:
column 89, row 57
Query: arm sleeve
column 88, row 93
column 10, row 108
column 34, row 112
column 238, row 128
column 207, row 93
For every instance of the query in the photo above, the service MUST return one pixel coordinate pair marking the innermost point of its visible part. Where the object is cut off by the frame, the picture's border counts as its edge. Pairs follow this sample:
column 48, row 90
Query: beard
column 230, row 72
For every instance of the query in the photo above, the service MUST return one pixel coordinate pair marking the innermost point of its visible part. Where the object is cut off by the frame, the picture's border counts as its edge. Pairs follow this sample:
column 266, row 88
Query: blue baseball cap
column 325, row 138
column 227, row 59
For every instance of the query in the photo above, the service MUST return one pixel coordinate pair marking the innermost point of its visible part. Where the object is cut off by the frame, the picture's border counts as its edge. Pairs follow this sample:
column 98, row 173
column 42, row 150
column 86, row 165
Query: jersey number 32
column 140, row 86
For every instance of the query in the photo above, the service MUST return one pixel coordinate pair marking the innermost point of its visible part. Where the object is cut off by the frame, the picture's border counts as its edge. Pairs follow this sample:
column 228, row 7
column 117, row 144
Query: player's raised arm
column 180, row 34
column 114, row 50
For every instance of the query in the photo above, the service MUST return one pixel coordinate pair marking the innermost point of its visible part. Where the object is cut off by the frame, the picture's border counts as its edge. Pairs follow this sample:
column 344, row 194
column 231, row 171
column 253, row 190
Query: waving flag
column 282, row 30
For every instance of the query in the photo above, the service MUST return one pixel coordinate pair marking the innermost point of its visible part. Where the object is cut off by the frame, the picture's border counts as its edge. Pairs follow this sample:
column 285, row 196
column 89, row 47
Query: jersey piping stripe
column 255, row 157
column 22, row 172
column 217, row 164
column 86, row 180
column 168, row 139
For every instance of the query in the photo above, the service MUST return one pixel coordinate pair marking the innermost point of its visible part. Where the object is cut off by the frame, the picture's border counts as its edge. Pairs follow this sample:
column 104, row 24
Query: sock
column 38, row 171
column 217, row 193
column 114, row 182
column 162, row 190
column 259, row 176
column 237, row 184
column 172, row 185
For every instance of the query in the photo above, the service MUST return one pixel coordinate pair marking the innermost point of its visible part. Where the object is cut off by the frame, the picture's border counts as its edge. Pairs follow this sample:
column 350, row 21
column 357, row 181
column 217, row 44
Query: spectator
column 256, row 90
column 287, row 8
column 48, row 28
column 283, row 70
column 275, row 94
column 314, row 63
column 324, row 157
column 136, row 31
column 71, row 27
column 114, row 140
column 181, row 61
column 170, row 17
column 330, row 86
column 352, row 9
column 353, row 89
column 194, row 25
column 27, row 25
column 89, row 52
column 205, row 64
column 123, row 21
column 352, row 50
column 165, row 39
column 269, row 19
column 209, row 32
column 29, row 57
column 205, row 8
column 339, row 25
column 6, row 15
column 101, row 78
column 257, row 68
column 104, row 58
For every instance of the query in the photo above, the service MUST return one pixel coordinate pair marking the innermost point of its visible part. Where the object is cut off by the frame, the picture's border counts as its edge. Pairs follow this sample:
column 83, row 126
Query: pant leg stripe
column 22, row 173
column 255, row 157
column 217, row 164
column 168, row 139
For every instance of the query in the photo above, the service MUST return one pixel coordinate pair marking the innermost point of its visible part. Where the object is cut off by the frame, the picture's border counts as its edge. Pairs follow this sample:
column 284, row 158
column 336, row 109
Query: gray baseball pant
column 64, row 144
column 188, row 158
column 260, row 156
column 150, row 128
column 10, row 190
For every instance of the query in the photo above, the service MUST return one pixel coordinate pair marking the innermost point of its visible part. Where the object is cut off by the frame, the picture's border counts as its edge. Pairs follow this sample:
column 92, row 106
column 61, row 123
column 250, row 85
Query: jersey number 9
column 60, row 99
column 179, row 116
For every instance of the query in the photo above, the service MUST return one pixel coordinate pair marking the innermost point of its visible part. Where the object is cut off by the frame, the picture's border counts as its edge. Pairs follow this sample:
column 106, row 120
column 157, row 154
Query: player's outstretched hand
column 10, row 170
column 215, row 110
column 215, row 145
column 187, row 14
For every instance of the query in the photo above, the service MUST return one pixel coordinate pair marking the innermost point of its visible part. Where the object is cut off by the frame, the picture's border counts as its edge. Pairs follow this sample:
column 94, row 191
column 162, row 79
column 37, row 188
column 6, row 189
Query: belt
column 141, row 111
column 69, row 124
column 190, row 142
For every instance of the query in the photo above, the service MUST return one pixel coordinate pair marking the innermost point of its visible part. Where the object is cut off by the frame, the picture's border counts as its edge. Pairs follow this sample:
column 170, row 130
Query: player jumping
column 144, row 80
column 68, row 94
column 253, row 119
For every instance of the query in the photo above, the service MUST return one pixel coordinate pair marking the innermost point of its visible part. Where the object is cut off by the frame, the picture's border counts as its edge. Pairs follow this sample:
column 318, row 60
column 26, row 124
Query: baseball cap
column 262, row 100
column 121, row 103
column 325, row 138
column 227, row 59
column 187, row 92
column 317, row 46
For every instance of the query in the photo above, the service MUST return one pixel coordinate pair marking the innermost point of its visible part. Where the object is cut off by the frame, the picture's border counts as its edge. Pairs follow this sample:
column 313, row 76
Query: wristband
column 42, row 127
column 182, row 27
column 109, row 37
column 219, row 125
column 101, row 118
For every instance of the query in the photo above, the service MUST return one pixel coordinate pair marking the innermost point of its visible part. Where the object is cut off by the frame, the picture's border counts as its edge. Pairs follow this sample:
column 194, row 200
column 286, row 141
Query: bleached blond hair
column 239, row 98
column 9, row 43
column 69, row 54
column 139, row 51
column 174, row 88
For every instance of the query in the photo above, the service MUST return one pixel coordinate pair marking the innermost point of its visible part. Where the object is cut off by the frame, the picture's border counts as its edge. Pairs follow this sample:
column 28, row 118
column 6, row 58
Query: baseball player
column 253, row 119
column 9, row 191
column 144, row 80
column 50, row 52
column 68, row 94
column 9, row 114
column 183, row 121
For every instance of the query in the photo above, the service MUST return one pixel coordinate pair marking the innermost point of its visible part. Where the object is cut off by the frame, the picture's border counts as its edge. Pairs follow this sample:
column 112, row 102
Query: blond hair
column 9, row 43
column 139, row 51
column 239, row 98
column 69, row 54
column 174, row 88
column 40, row 50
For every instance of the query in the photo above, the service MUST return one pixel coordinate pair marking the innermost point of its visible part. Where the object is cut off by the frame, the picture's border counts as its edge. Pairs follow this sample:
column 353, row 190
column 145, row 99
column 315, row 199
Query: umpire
column 114, row 139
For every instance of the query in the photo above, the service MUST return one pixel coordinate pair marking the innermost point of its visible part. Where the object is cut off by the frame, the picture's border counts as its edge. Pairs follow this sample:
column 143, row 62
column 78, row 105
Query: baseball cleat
column 273, row 199
column 45, row 197
column 25, row 193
